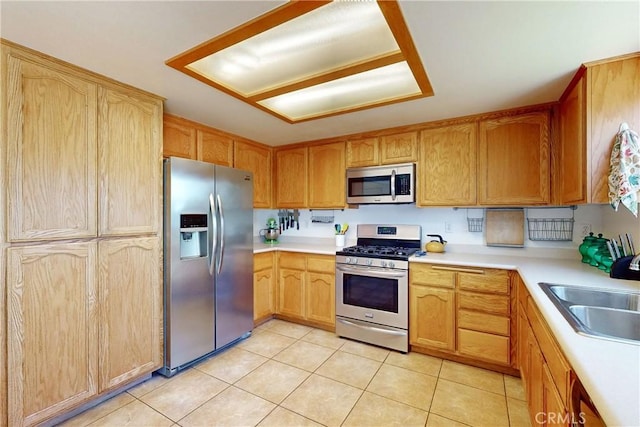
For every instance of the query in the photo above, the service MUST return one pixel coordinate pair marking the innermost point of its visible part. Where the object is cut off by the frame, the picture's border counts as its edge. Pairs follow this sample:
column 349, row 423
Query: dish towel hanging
column 624, row 170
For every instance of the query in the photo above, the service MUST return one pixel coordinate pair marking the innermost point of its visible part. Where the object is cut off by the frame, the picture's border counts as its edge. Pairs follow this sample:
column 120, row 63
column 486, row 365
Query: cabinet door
column 535, row 387
column 613, row 90
column 555, row 413
column 291, row 178
column 513, row 160
column 399, row 148
column 364, row 152
column 573, row 146
column 432, row 317
column 129, row 163
column 215, row 148
column 263, row 286
column 51, row 148
column 179, row 139
column 52, row 330
column 130, row 319
column 291, row 292
column 256, row 159
column 327, row 176
column 321, row 297
column 447, row 166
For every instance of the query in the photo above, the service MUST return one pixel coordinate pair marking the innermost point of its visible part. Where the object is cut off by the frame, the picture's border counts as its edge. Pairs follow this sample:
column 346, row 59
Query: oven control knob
column 384, row 264
column 392, row 264
column 353, row 260
column 369, row 262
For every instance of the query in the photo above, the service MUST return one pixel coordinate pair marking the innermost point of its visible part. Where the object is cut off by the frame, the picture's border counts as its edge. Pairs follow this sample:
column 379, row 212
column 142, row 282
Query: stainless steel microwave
column 381, row 184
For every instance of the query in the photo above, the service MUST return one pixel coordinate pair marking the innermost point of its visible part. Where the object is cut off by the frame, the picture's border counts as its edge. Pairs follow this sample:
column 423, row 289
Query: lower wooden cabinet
column 465, row 312
column 130, row 316
column 432, row 317
column 554, row 393
column 306, row 288
column 83, row 318
column 264, row 293
column 52, row 345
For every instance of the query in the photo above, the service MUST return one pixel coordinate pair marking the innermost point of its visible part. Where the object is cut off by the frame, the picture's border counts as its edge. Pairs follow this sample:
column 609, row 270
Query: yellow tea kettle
column 435, row 245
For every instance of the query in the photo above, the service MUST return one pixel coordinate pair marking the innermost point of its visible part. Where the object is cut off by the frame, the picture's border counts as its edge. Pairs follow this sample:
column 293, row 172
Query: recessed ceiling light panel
column 376, row 86
column 314, row 58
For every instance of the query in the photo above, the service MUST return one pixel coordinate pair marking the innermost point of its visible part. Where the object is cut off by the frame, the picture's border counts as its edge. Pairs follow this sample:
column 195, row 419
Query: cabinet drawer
column 486, row 280
column 432, row 275
column 558, row 365
column 292, row 260
column 321, row 264
column 494, row 348
column 483, row 322
column 494, row 304
column 262, row 261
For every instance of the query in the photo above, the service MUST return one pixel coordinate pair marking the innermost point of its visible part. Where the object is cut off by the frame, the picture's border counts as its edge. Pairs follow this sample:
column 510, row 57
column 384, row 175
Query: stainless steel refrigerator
column 208, row 259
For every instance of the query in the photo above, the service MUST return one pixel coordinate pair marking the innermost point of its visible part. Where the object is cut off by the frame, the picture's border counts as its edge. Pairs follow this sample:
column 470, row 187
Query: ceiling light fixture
column 310, row 59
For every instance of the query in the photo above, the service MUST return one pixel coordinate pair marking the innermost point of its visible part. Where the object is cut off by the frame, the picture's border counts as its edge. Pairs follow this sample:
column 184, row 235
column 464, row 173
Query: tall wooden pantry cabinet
column 80, row 233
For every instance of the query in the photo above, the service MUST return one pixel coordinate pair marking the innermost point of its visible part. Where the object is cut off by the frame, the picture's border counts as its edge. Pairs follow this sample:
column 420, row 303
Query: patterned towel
column 624, row 170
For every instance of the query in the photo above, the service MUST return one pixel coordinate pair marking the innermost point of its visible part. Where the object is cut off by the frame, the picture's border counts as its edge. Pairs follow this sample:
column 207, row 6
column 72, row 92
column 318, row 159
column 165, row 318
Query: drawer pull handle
column 458, row 270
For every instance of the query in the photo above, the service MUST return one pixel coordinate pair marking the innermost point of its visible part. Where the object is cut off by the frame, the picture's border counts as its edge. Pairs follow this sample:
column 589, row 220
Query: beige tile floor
column 293, row 375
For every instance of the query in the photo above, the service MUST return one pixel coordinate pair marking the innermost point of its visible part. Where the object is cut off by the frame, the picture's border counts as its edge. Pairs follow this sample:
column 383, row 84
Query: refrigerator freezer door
column 189, row 288
column 234, row 282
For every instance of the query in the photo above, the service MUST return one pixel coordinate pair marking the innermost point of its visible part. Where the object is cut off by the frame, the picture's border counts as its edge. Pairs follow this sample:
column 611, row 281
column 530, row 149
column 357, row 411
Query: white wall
column 432, row 221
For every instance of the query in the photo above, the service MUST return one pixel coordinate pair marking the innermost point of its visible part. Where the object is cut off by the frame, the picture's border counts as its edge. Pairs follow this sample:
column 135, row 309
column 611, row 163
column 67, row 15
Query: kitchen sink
column 592, row 297
column 607, row 314
column 609, row 322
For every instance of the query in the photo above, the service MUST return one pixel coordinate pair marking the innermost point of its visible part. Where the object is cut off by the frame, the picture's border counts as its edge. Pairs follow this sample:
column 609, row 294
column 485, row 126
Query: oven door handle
column 371, row 271
column 372, row 328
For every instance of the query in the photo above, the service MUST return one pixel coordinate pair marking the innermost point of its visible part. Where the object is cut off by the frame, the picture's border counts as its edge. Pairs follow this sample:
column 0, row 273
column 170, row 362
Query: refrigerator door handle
column 221, row 212
column 214, row 232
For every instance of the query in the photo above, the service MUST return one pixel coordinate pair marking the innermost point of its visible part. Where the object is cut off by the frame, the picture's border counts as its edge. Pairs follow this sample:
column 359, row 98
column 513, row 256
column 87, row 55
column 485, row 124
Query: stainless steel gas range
column 372, row 285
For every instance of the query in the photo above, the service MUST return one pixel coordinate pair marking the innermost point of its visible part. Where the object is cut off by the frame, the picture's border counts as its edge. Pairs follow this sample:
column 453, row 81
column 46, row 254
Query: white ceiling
column 480, row 56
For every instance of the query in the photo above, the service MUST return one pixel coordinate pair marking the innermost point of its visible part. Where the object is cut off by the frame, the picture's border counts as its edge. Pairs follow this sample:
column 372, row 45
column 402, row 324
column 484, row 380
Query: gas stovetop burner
column 384, row 241
column 380, row 251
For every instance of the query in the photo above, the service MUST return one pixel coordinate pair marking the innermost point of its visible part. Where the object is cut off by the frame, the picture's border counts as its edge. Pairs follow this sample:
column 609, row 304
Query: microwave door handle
column 393, row 184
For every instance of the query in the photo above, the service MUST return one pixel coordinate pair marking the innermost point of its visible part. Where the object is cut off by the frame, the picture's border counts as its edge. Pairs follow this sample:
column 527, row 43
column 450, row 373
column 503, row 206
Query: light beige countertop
column 609, row 370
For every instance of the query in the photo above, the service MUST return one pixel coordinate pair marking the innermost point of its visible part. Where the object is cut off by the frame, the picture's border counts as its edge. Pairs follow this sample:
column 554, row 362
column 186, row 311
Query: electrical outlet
column 584, row 229
column 447, row 227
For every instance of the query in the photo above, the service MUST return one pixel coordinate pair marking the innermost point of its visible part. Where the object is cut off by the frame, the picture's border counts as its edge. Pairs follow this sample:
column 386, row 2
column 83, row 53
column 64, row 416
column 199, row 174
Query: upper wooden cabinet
column 399, row 148
column 384, row 150
column 327, row 176
column 291, row 177
column 447, row 166
column 600, row 97
column 191, row 140
column 514, row 160
column 310, row 176
column 179, row 138
column 129, row 163
column 257, row 159
column 51, row 177
column 363, row 152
